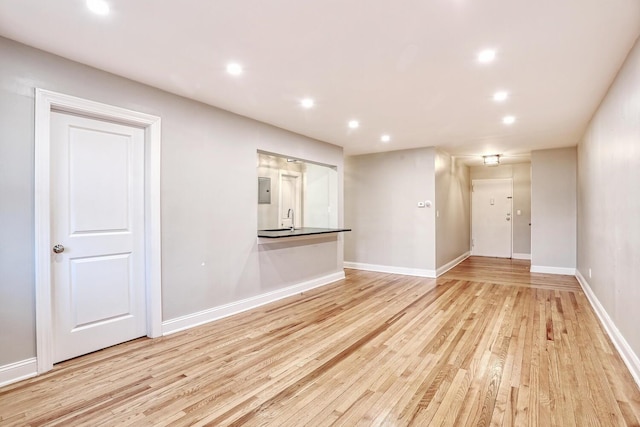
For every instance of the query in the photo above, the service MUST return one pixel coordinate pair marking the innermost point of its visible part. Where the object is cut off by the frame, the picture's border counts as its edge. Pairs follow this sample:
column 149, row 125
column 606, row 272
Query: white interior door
column 491, row 205
column 290, row 198
column 97, row 217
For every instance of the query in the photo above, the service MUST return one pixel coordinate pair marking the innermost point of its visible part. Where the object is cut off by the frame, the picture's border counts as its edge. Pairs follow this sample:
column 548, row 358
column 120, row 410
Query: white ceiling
column 406, row 68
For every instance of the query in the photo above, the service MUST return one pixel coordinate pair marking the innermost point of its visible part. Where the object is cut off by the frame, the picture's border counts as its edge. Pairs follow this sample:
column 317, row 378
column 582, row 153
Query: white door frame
column 510, row 180
column 45, row 102
column 298, row 190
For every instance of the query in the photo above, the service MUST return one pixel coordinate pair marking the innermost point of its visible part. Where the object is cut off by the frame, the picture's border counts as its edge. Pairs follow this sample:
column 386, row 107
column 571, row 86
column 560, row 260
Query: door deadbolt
column 58, row 249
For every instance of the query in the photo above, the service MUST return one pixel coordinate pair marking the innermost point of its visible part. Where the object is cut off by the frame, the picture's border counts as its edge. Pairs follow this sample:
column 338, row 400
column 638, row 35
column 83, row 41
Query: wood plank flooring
column 488, row 343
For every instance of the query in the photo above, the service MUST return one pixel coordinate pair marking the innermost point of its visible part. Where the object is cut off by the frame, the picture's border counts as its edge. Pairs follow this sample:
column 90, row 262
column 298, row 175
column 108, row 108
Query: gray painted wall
column 209, row 189
column 453, row 203
column 521, row 175
column 381, row 195
column 553, row 208
column 609, row 201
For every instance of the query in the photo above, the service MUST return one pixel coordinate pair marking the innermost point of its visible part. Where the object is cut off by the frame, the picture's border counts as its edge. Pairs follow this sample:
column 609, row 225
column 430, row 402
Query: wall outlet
column 421, row 204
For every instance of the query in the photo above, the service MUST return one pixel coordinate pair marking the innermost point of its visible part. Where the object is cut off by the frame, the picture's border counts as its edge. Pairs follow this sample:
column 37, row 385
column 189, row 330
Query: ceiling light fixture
column 234, row 69
column 500, row 96
column 508, row 120
column 307, row 103
column 353, row 124
column 99, row 7
column 491, row 160
column 486, row 56
column 385, row 138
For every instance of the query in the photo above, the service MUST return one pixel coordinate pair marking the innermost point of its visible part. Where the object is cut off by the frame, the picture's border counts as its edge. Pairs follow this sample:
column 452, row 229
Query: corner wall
column 390, row 233
column 453, row 211
column 553, row 211
column 609, row 211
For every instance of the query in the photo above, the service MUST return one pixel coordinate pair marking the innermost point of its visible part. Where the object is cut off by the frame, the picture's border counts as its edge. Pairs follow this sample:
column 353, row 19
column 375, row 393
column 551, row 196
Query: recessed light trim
column 353, row 124
column 234, row 69
column 508, row 120
column 385, row 138
column 486, row 56
column 307, row 103
column 500, row 96
column 99, row 7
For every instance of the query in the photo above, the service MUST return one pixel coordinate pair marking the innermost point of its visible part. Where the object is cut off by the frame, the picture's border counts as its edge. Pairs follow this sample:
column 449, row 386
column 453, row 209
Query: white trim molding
column 18, row 371
column 405, row 271
column 448, row 266
column 195, row 319
column 45, row 102
column 624, row 349
column 520, row 256
column 566, row 271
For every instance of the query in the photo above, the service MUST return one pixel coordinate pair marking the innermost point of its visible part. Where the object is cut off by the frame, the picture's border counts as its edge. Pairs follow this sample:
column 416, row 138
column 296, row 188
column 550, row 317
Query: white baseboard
column 18, row 371
column 215, row 313
column 520, row 256
column 448, row 266
column 553, row 270
column 391, row 269
column 624, row 349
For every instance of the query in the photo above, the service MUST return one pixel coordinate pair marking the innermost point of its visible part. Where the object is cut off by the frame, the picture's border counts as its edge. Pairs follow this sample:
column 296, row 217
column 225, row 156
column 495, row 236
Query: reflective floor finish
column 488, row 343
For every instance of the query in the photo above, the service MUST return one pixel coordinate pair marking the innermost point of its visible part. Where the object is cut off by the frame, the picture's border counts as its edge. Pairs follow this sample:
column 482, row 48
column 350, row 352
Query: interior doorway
column 491, row 218
column 290, row 212
column 87, row 222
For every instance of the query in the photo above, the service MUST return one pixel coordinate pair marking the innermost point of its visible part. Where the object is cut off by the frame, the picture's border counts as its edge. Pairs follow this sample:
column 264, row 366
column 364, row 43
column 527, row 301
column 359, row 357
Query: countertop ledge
column 304, row 231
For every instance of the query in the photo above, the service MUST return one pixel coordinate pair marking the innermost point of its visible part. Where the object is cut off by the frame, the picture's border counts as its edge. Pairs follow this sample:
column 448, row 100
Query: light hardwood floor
column 488, row 343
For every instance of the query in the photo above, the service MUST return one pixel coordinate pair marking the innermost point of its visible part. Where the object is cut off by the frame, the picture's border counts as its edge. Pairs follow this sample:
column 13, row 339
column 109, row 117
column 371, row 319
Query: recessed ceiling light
column 99, row 7
column 353, row 124
column 234, row 69
column 385, row 138
column 307, row 103
column 500, row 96
column 508, row 120
column 487, row 56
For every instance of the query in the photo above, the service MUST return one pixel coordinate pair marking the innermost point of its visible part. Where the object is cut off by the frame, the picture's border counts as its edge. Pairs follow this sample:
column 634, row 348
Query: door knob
column 508, row 218
column 58, row 249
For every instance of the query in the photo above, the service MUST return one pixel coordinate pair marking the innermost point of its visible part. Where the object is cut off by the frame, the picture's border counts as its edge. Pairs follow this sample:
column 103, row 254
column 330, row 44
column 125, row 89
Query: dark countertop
column 304, row 231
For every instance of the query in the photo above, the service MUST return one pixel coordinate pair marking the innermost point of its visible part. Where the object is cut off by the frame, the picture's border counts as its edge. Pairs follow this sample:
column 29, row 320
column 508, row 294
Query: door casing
column 297, row 193
column 45, row 102
column 508, row 181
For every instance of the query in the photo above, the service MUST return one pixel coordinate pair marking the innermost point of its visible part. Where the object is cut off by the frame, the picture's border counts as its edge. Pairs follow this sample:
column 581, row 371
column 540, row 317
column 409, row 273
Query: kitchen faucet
column 291, row 215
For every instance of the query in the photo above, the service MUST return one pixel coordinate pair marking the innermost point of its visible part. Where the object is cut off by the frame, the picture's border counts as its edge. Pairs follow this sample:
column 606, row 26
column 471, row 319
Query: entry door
column 290, row 196
column 491, row 205
column 97, row 208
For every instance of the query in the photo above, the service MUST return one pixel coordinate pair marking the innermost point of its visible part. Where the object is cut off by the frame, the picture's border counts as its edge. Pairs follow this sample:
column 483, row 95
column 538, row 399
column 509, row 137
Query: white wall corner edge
column 18, row 371
column 405, row 271
column 565, row 271
column 624, row 349
column 205, row 316
column 448, row 266
column 520, row 256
